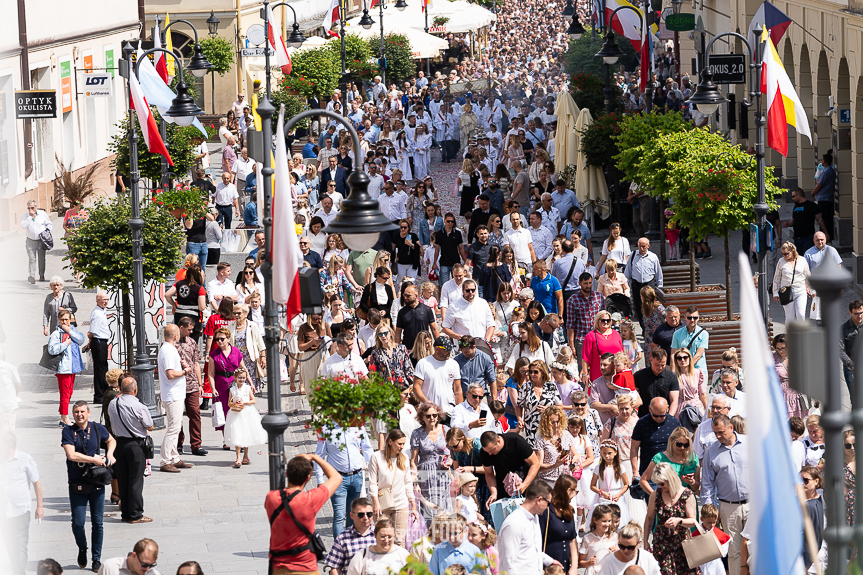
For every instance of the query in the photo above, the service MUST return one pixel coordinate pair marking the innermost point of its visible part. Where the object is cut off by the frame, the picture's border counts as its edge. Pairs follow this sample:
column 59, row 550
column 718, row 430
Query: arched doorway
column 841, row 120
column 789, row 163
column 857, row 179
column 805, row 149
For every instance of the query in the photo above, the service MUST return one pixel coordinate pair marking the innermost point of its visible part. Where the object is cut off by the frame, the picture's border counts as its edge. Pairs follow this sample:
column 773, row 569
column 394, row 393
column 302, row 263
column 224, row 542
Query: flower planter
column 709, row 299
column 176, row 212
column 675, row 274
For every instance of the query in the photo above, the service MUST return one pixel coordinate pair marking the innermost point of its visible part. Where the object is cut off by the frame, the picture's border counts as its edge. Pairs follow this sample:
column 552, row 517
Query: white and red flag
column 277, row 43
column 153, row 139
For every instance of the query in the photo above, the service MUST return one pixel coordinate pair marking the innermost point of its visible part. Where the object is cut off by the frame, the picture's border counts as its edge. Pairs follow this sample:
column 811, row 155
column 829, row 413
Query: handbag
column 47, row 239
column 49, row 361
column 502, row 508
column 146, row 442
column 218, row 416
column 702, row 549
column 417, row 529
column 98, row 475
column 786, row 296
column 385, row 498
column 260, row 370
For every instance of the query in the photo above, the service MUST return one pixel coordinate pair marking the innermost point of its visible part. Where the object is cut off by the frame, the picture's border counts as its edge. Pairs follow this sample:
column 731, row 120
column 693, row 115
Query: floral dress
column 416, row 212
column 340, row 282
column 248, row 361
column 472, row 459
column 528, row 400
column 621, row 433
column 396, row 366
column 432, row 480
column 792, row 398
column 850, row 496
column 651, row 323
column 498, row 239
column 668, row 542
column 552, row 451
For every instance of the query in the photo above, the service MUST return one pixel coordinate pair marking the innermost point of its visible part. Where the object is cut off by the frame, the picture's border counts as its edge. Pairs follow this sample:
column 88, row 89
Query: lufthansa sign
column 98, row 85
column 35, row 104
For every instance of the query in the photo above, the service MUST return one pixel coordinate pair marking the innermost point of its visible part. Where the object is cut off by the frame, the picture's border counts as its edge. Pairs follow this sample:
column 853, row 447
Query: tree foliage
column 293, row 106
column 598, row 141
column 101, row 247
column 711, row 184
column 580, row 56
column 588, row 91
column 180, row 141
column 219, row 52
column 638, row 130
column 315, row 72
column 399, row 55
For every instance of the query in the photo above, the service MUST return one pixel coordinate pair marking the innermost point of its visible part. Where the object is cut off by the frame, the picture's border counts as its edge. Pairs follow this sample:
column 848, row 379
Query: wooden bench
column 724, row 335
column 676, row 274
column 707, row 302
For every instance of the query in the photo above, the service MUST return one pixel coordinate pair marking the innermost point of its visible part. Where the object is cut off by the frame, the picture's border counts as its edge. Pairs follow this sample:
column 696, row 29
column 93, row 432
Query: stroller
column 617, row 302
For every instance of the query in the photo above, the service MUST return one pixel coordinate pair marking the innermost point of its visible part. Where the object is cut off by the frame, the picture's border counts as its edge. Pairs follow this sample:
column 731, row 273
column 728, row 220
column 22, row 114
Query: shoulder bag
column 49, row 361
column 702, row 549
column 569, row 275
column 316, row 542
column 146, row 442
column 94, row 475
column 786, row 296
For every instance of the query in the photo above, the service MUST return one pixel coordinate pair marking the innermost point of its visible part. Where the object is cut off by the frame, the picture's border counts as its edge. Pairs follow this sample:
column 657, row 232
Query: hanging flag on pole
column 277, row 43
column 158, row 93
column 775, row 519
column 158, row 57
column 285, row 250
column 770, row 17
column 149, row 129
column 646, row 51
column 626, row 22
column 331, row 16
column 169, row 46
column 783, row 104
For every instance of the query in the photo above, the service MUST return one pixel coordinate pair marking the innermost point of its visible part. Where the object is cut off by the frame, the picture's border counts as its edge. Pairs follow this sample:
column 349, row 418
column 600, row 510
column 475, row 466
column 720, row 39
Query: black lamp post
column 708, row 98
column 610, row 53
column 428, row 60
column 575, row 29
column 367, row 22
column 296, row 40
column 213, row 28
column 183, row 110
column 568, row 10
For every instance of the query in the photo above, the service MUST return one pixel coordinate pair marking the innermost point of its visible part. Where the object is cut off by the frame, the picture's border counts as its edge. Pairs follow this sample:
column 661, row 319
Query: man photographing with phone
column 472, row 415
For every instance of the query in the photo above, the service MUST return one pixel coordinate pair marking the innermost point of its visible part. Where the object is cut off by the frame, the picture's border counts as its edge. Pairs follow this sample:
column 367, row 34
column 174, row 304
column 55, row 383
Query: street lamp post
column 708, row 98
column 367, row 22
column 296, row 40
column 213, row 28
column 183, row 109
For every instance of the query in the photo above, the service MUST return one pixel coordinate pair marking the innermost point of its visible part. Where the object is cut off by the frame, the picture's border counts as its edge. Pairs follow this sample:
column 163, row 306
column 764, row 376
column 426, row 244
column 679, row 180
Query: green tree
column 293, row 106
column 598, row 141
column 638, row 130
column 399, row 55
column 180, row 141
column 588, row 91
column 219, row 52
column 315, row 72
column 580, row 55
column 101, row 248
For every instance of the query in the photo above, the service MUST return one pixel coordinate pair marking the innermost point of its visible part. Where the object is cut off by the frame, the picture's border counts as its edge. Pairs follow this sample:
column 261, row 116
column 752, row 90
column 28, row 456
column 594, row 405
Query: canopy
column 463, row 17
column 590, row 186
column 423, row 45
column 566, row 141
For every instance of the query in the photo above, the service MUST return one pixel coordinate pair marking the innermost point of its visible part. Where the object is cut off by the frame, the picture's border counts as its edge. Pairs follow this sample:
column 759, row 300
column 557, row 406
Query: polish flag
column 155, row 145
column 274, row 37
column 331, row 16
column 286, row 255
column 646, row 53
column 159, row 58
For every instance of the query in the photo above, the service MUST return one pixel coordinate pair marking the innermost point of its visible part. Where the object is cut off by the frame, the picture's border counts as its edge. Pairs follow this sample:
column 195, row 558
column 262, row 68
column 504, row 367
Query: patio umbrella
column 566, row 139
column 590, row 186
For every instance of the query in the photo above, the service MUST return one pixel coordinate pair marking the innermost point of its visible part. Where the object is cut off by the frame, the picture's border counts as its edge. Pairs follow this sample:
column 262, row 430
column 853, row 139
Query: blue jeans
column 849, row 381
column 445, row 274
column 226, row 214
column 342, row 499
column 96, row 499
column 200, row 250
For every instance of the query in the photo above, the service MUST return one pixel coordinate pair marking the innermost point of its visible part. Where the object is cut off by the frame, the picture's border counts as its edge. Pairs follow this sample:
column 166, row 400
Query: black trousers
column 129, row 471
column 99, row 348
column 636, row 298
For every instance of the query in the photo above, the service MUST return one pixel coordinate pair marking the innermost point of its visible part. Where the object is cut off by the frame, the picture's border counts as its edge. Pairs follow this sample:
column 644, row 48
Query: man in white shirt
column 243, row 166
column 469, row 315
column 376, row 182
column 344, row 361
column 466, row 415
column 99, row 335
column 704, row 436
column 520, row 538
column 145, row 552
column 227, row 197
column 540, row 237
column 35, row 222
column 20, row 472
column 437, row 379
column 629, row 554
column 550, row 215
column 325, row 210
column 393, row 205
column 451, row 290
column 221, row 286
column 735, row 398
column 521, row 241
column 172, row 386
column 512, row 207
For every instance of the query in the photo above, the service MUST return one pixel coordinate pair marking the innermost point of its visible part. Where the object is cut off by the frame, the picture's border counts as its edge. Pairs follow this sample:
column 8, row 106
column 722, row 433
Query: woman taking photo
column 382, row 558
column 379, row 294
column 679, row 456
column 612, row 282
column 557, row 525
column 493, row 274
column 246, row 336
column 791, row 273
column 390, row 484
column 533, row 399
column 391, row 359
column 693, row 384
column 56, row 301
column 430, row 458
column 249, row 284
column 65, row 340
column 554, row 445
column 530, row 346
column 466, row 454
column 223, row 360
column 188, row 298
column 310, row 338
column 615, row 247
column 653, row 313
column 619, row 429
column 601, row 340
column 673, row 507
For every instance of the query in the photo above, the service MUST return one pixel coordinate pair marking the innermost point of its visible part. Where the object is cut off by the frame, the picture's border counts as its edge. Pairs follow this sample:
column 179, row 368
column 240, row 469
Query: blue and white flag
column 158, row 93
column 775, row 519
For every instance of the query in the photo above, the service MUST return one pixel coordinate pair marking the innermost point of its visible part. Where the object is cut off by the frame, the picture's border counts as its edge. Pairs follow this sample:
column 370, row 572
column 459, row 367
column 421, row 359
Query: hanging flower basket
column 184, row 201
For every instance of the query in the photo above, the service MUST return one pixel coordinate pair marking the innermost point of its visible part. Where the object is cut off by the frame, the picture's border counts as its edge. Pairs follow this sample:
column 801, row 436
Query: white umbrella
column 422, row 45
column 590, row 186
column 566, row 139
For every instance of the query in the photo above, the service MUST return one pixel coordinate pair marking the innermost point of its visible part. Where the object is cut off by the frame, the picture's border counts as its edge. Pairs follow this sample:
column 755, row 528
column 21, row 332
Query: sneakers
column 82, row 557
column 183, row 465
column 169, row 468
column 96, row 566
column 698, row 255
column 707, row 256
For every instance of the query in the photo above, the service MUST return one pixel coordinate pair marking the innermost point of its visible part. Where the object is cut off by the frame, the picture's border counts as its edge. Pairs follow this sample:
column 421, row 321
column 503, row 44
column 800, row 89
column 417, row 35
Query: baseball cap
column 441, row 342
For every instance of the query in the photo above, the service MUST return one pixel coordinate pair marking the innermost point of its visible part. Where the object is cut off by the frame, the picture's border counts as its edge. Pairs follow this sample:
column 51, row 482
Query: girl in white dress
column 580, row 466
column 404, row 148
column 243, row 428
column 610, row 482
column 465, row 502
column 422, row 151
column 599, row 543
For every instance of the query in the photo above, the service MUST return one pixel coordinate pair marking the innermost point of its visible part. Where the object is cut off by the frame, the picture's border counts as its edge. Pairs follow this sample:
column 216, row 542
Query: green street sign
column 680, row 22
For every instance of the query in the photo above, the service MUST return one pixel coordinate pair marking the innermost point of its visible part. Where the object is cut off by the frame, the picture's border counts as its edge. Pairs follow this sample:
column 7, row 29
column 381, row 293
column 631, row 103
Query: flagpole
column 760, row 206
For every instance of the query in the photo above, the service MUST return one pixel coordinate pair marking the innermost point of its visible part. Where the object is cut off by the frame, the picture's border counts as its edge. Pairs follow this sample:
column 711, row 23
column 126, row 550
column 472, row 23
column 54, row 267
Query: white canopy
column 463, row 17
column 423, row 45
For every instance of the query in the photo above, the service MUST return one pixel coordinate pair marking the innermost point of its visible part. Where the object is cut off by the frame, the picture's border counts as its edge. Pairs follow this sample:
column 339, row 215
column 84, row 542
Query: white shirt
column 351, row 366
column 393, row 207
column 620, row 252
column 507, row 223
column 449, row 293
column 118, row 566
column 327, row 217
column 243, row 167
column 19, row 473
column 798, row 454
column 611, row 565
column 464, row 414
column 519, row 240
column 171, row 389
column 225, row 194
column 737, row 404
column 226, row 288
column 519, row 544
column 376, row 186
column 99, row 324
column 438, row 378
column 35, row 225
column 469, row 318
column 704, row 437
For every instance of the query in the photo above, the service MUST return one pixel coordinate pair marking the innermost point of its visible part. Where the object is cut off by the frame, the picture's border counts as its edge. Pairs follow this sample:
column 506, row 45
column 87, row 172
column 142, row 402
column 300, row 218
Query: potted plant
column 440, row 21
column 183, row 201
column 348, row 402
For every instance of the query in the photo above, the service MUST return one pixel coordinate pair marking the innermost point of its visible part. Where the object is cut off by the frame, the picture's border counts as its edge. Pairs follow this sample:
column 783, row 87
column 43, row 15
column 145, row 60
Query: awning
column 423, row 45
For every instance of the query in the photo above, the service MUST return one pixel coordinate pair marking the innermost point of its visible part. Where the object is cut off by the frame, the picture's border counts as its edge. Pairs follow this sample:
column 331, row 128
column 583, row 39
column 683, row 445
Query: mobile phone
column 483, row 413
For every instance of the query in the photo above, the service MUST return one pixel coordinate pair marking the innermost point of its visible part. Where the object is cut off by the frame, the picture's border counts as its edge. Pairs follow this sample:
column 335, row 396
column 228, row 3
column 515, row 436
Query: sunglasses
column 430, row 415
column 475, row 396
column 450, row 221
column 403, row 227
column 146, row 565
column 221, row 338
column 682, row 445
column 304, row 243
column 662, row 416
column 583, row 404
column 692, row 317
column 534, row 371
column 681, row 357
column 626, row 547
column 469, row 290
column 364, row 514
column 249, row 273
column 849, row 446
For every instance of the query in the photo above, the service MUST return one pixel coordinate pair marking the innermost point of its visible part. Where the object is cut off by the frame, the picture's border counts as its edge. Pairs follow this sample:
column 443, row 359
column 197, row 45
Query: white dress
column 243, row 428
column 422, row 156
column 404, row 163
column 610, row 484
column 585, row 498
column 468, row 508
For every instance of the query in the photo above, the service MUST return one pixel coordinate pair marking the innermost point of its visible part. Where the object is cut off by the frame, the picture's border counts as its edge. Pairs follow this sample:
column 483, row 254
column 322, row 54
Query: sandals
column 115, row 499
column 302, row 390
column 225, row 447
column 236, row 464
column 246, row 461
